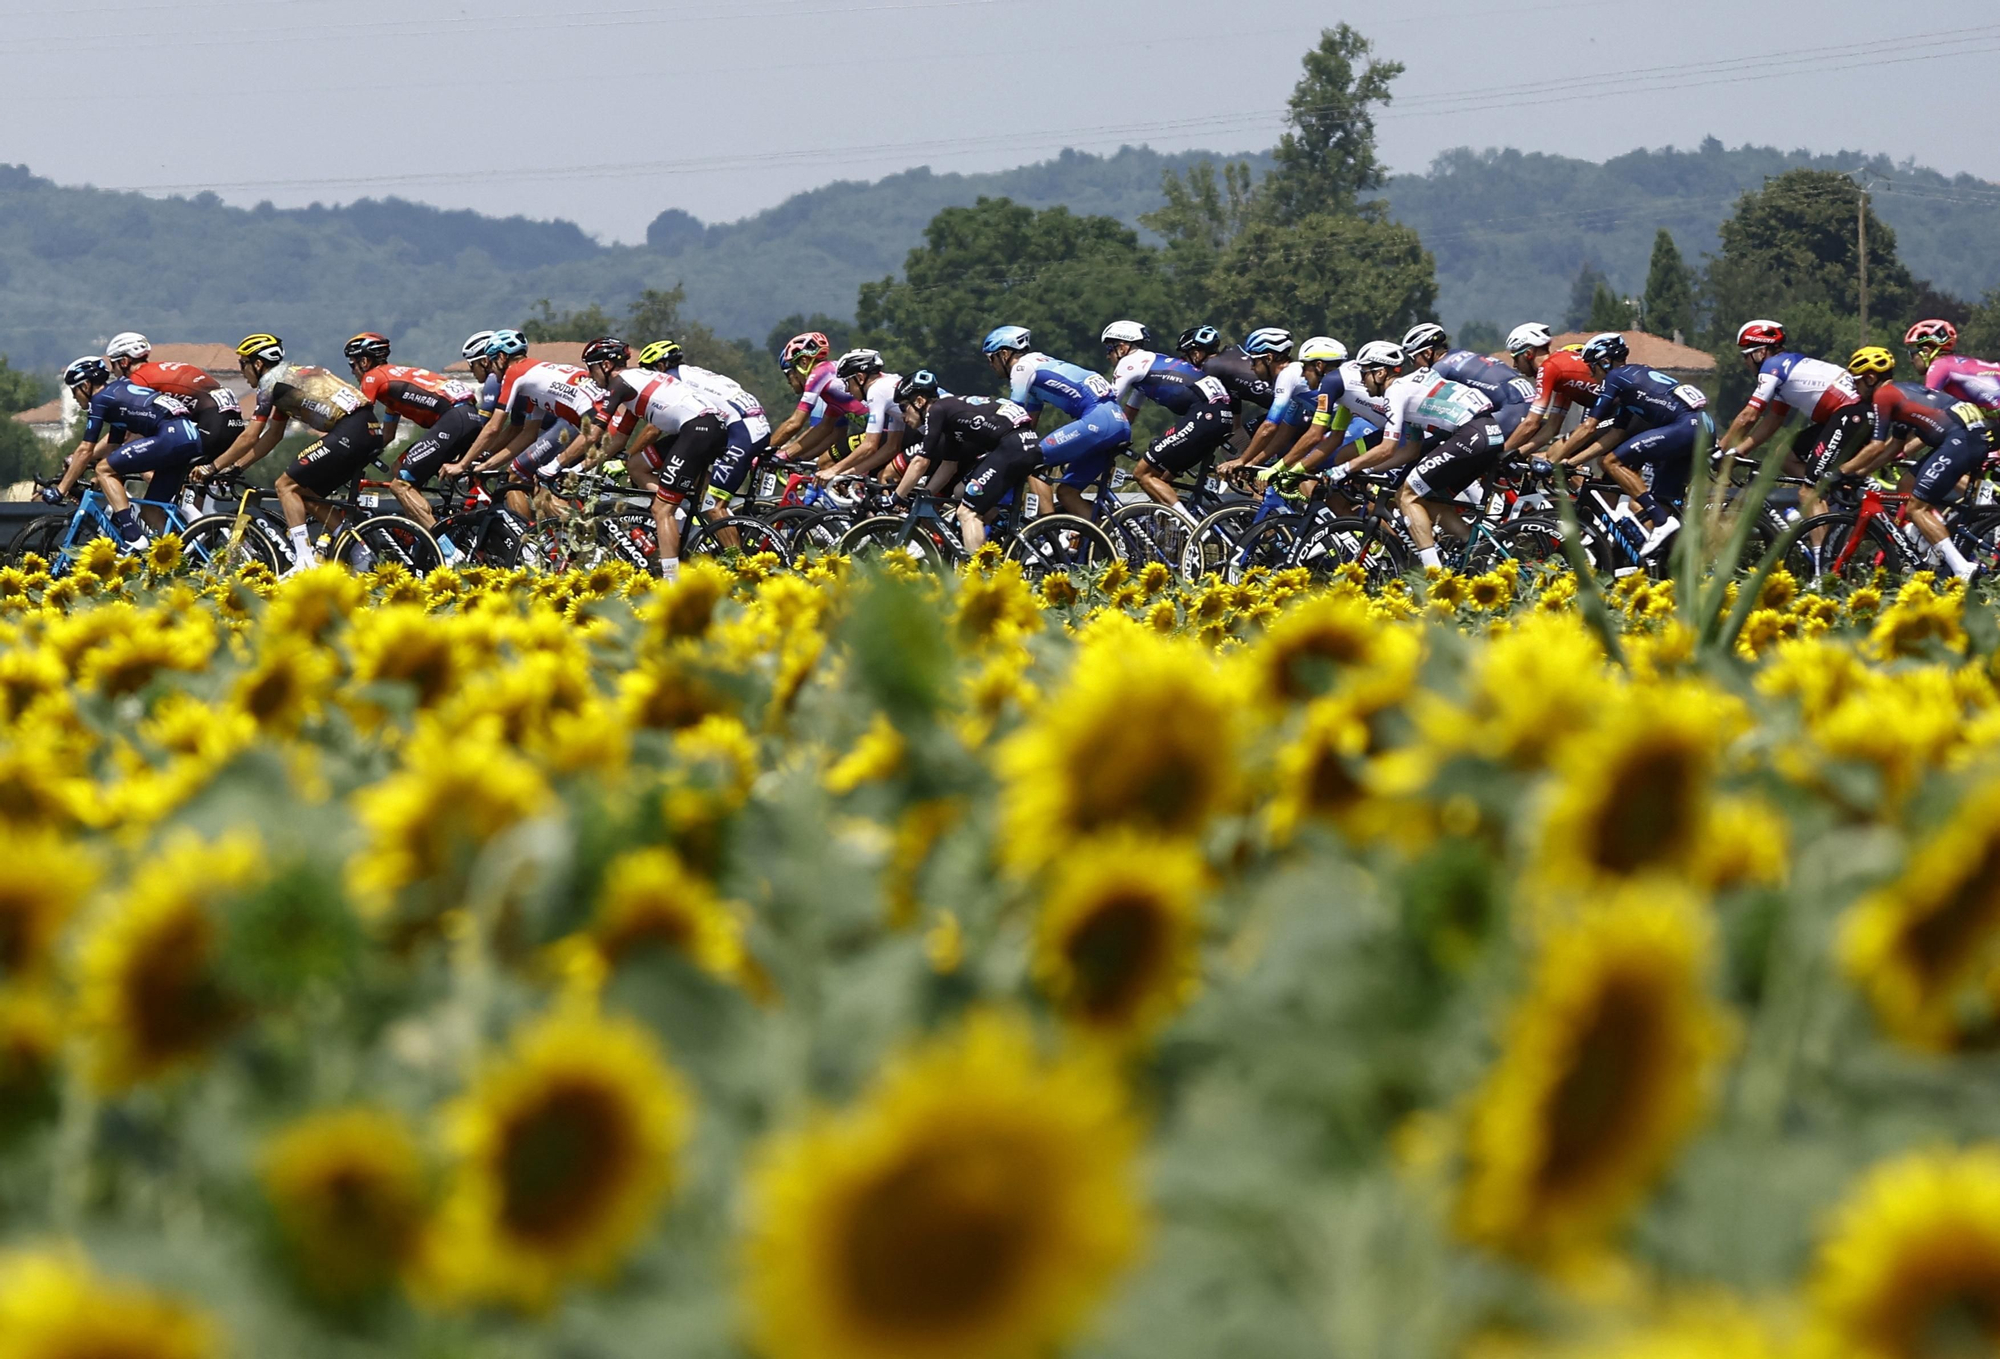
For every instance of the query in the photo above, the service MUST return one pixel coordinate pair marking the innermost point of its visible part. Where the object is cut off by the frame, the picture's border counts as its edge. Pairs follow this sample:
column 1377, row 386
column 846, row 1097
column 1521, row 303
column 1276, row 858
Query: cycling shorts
column 219, row 429
column 1089, row 444
column 1959, row 454
column 340, row 455
column 746, row 446
column 1823, row 447
column 1193, row 439
column 1666, row 453
column 441, row 443
column 1471, row 452
column 1003, row 470
column 167, row 455
column 1511, row 415
column 683, row 464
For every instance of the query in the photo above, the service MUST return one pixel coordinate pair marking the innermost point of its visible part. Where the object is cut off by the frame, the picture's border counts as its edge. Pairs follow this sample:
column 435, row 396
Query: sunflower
column 1143, row 736
column 311, row 602
column 1607, row 1067
column 287, row 686
column 651, row 899
column 43, row 879
column 977, row 1204
column 567, row 1147
column 1117, row 943
column 1910, row 1264
column 1926, row 948
column 348, row 1190
column 29, row 677
column 400, row 643
column 151, row 995
column 995, row 606
column 684, row 610
column 1164, row 616
column 163, row 554
column 665, row 693
column 1058, row 590
column 1527, row 687
column 877, row 755
column 53, row 1307
column 1711, row 1326
column 98, row 557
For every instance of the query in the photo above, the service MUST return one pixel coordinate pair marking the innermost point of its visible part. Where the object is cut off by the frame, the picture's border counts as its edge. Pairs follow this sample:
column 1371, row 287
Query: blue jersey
column 127, row 409
column 489, row 394
column 1038, row 381
column 1165, row 381
column 1638, row 397
column 1499, row 383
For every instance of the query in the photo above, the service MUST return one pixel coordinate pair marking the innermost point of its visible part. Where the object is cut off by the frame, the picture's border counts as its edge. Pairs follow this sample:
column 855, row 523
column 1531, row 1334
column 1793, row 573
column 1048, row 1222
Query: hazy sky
column 607, row 111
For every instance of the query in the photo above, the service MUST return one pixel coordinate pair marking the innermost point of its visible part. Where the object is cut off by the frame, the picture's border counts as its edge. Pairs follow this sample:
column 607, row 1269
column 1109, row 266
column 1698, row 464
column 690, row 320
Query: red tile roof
column 551, row 351
column 213, row 358
column 48, row 413
column 1652, row 350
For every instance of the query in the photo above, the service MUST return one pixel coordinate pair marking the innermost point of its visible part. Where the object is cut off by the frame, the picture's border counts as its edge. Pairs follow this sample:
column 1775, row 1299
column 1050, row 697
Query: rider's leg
column 1961, row 453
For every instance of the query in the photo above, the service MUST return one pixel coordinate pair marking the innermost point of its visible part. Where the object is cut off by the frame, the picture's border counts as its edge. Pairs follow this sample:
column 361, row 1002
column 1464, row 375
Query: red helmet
column 803, row 348
column 1760, row 335
column 1939, row 335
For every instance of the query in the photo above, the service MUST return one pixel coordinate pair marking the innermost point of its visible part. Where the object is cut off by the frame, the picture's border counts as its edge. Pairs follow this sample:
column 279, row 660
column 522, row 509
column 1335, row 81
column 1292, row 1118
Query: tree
column 1349, row 277
column 1481, row 337
column 1201, row 216
column 656, row 315
column 998, row 262
column 1326, row 160
column 21, row 391
column 838, row 333
column 1608, row 311
column 1669, row 306
column 1583, row 295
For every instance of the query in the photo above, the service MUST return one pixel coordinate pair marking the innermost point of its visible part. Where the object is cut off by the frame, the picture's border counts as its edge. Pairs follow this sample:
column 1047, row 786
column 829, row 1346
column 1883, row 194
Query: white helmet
column 1533, row 335
column 1424, row 335
column 1322, row 349
column 475, row 345
column 129, row 345
column 1380, row 354
column 1125, row 332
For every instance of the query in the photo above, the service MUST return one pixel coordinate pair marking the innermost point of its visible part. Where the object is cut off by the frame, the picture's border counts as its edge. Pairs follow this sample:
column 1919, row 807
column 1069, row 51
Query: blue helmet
column 1008, row 337
column 510, row 344
column 1268, row 340
column 1607, row 350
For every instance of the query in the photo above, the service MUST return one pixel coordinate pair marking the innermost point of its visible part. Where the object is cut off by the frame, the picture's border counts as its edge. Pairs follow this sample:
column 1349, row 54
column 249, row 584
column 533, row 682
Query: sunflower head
column 43, row 880
column 684, row 610
column 287, row 686
column 348, row 1190
column 312, row 602
column 163, row 554
column 403, row 643
column 1117, row 944
column 98, row 556
column 53, row 1307
column 650, row 899
column 995, row 605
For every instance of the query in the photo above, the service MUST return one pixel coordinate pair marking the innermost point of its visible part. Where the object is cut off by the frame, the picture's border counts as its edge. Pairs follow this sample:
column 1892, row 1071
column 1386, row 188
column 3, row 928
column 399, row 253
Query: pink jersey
column 1965, row 379
column 821, row 384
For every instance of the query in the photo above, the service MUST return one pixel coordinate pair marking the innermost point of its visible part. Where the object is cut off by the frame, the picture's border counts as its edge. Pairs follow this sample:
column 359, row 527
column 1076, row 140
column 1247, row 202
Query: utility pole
column 1861, row 245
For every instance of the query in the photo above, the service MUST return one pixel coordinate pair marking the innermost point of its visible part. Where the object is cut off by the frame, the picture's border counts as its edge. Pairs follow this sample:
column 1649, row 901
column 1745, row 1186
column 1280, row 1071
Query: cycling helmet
column 507, row 344
column 1760, row 335
column 1533, row 335
column 1008, row 337
column 269, row 348
column 89, row 368
column 1322, row 349
column 1871, row 358
column 607, row 349
column 1125, row 332
column 1268, row 340
column 804, row 348
column 1424, row 335
column 1939, row 335
column 661, row 355
column 1607, row 350
column 1200, row 337
column 856, row 362
column 1380, row 354
column 923, row 383
column 367, row 345
column 475, row 345
column 129, row 345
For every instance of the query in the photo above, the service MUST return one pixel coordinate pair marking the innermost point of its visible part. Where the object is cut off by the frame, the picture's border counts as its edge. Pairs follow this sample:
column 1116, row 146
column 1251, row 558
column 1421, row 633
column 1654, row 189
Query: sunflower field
column 866, row 965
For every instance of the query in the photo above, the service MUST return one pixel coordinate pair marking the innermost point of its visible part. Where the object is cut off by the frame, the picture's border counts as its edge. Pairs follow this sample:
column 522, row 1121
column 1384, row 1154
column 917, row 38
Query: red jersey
column 1565, row 380
column 183, row 379
column 415, row 394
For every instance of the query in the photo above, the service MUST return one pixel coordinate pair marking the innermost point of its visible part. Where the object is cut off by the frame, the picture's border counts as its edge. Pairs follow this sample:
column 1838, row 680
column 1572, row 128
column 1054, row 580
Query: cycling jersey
column 1291, row 396
column 1498, row 382
column 1166, row 381
column 1813, row 387
column 879, row 398
column 1901, row 408
column 415, row 394
column 1564, row 380
column 489, row 394
column 555, row 389
column 1232, row 367
column 312, row 396
column 183, row 379
column 1341, row 397
column 1634, row 396
column 1968, row 379
column 824, row 387
column 663, row 401
column 126, row 409
column 962, row 428
column 730, row 390
column 1038, row 380
column 1426, row 404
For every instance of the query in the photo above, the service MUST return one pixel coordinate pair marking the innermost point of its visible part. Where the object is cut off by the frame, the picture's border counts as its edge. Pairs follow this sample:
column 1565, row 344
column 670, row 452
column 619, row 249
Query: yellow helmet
column 660, row 354
column 1872, row 358
column 269, row 348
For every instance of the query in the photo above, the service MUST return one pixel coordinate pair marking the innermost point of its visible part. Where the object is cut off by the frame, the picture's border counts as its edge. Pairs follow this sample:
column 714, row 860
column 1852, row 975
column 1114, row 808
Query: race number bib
column 1691, row 396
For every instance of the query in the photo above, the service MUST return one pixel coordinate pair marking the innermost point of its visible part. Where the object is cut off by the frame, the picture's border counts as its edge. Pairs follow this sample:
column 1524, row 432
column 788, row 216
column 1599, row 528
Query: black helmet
column 1200, row 337
column 855, row 362
column 89, row 368
column 367, row 345
column 608, row 349
column 922, row 383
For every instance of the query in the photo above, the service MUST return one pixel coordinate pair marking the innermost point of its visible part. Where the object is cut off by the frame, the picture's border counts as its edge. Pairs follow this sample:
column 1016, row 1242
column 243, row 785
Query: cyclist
column 995, row 437
column 1906, row 414
column 1933, row 344
column 217, row 414
column 1269, row 350
column 1344, row 413
column 143, row 429
column 860, row 372
column 1247, row 384
column 473, row 351
column 694, row 424
column 445, row 409
column 1824, row 394
column 567, row 406
column 1428, row 346
column 1201, row 403
column 342, row 417
column 1561, row 377
column 1097, row 431
column 1642, row 418
column 820, row 419
column 749, row 437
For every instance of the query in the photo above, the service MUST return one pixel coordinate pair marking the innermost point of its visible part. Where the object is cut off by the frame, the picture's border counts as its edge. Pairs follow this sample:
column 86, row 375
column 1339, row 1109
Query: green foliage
column 656, row 314
column 1583, row 295
column 1608, row 311
column 1350, row 277
column 1201, row 216
column 1327, row 159
column 21, row 391
column 1669, row 308
column 1483, row 337
column 1793, row 243
column 24, row 453
column 1979, row 332
column 839, row 333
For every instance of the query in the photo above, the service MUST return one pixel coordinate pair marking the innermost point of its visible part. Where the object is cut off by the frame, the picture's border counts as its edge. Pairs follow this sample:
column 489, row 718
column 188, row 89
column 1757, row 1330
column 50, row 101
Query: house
column 1655, row 352
column 52, row 419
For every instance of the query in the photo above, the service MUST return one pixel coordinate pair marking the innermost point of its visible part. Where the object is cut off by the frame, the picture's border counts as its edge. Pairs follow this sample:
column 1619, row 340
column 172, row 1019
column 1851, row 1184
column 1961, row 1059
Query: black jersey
column 963, row 428
column 1232, row 368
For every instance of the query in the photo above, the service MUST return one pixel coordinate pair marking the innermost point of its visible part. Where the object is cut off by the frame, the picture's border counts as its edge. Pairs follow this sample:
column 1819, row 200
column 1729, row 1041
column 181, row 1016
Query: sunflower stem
column 1688, row 563
column 1588, row 593
column 1746, row 510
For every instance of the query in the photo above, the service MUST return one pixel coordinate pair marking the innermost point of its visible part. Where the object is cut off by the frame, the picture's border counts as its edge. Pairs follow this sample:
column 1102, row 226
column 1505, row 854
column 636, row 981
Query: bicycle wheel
column 1214, row 539
column 1273, row 544
column 1357, row 542
column 388, row 538
column 43, row 537
column 213, row 546
column 1531, row 541
column 808, row 533
column 1061, row 542
column 1148, row 532
column 732, row 538
column 876, row 538
column 1858, row 552
column 631, row 538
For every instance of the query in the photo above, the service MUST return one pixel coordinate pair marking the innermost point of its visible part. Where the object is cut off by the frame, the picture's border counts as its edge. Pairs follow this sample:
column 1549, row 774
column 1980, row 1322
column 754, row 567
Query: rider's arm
column 818, row 439
column 488, row 435
column 1760, row 431
column 1577, row 447
column 255, row 443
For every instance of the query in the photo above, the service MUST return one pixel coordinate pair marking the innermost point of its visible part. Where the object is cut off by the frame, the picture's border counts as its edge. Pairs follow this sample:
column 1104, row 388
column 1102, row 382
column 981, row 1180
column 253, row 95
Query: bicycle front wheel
column 886, row 534
column 733, row 538
column 1214, row 539
column 388, row 538
column 213, row 545
column 1061, row 542
column 1149, row 533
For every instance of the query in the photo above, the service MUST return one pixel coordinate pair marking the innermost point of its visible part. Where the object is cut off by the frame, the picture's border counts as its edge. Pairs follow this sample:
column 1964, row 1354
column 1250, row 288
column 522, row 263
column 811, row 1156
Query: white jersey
column 730, row 390
column 666, row 402
column 884, row 415
column 1354, row 399
column 1290, row 394
column 1425, row 403
column 1812, row 387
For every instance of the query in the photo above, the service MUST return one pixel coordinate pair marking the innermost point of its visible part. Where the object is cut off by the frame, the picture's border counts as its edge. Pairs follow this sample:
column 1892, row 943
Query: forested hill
column 1510, row 231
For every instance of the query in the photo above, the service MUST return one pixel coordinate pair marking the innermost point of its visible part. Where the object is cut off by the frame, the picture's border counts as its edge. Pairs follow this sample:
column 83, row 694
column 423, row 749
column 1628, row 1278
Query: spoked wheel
column 43, row 538
column 1531, row 542
column 729, row 539
column 1849, row 551
column 388, row 538
column 808, row 533
column 214, row 545
column 1215, row 539
column 1148, row 532
column 1353, row 542
column 1272, row 545
column 1061, row 542
column 886, row 534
